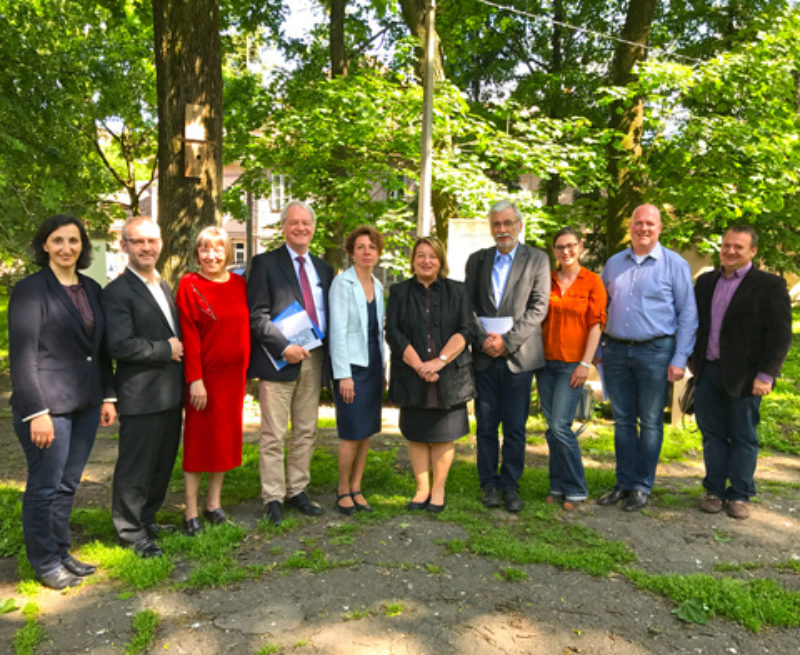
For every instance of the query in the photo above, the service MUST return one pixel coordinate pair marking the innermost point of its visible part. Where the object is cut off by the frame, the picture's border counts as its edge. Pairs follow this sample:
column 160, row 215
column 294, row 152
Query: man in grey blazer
column 509, row 288
column 277, row 279
column 143, row 335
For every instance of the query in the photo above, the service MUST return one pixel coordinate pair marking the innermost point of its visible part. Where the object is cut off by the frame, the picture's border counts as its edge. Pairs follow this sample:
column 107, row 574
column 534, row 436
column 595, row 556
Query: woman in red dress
column 215, row 328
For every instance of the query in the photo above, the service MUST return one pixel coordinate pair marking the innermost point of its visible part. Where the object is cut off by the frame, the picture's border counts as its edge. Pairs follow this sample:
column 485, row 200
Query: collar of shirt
column 738, row 273
column 156, row 281
column 500, row 256
column 656, row 253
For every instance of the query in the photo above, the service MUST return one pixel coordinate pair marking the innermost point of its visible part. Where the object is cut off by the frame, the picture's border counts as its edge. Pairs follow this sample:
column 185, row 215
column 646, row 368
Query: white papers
column 295, row 324
column 497, row 324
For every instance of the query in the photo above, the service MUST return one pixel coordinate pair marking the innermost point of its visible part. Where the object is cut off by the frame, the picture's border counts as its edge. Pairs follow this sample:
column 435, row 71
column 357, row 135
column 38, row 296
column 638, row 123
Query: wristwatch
column 443, row 357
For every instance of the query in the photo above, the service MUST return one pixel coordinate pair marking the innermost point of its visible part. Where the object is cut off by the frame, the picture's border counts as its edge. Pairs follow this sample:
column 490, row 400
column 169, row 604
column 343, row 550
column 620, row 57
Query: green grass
column 124, row 565
column 393, row 609
column 11, row 541
column 3, row 328
column 751, row 603
column 31, row 634
column 145, row 624
column 511, row 574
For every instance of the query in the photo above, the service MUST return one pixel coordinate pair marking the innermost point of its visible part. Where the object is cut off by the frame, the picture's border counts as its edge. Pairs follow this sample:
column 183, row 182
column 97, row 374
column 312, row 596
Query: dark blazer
column 756, row 332
column 406, row 324
column 55, row 363
column 147, row 380
column 526, row 298
column 271, row 287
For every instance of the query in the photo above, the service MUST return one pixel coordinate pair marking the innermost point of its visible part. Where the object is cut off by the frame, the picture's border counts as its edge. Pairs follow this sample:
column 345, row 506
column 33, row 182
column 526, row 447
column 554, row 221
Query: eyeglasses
column 565, row 246
column 143, row 242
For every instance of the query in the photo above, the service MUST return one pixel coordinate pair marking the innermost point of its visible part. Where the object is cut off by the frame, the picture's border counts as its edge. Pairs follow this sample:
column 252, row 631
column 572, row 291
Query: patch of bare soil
column 447, row 603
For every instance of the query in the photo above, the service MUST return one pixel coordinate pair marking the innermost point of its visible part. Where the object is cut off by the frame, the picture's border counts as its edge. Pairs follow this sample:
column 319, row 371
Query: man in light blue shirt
column 649, row 336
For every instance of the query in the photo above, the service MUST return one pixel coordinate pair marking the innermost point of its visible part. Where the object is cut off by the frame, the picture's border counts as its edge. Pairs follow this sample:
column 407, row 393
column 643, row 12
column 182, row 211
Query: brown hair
column 439, row 251
column 364, row 230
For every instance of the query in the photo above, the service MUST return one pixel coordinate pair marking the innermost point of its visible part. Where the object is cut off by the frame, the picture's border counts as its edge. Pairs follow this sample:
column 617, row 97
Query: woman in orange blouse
column 570, row 333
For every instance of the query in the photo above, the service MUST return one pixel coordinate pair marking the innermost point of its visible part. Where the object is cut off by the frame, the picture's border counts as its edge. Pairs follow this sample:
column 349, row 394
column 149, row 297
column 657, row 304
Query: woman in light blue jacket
column 356, row 348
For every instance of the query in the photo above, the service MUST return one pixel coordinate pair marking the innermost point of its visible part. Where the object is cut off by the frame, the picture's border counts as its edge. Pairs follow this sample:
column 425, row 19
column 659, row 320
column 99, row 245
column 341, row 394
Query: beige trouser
column 280, row 401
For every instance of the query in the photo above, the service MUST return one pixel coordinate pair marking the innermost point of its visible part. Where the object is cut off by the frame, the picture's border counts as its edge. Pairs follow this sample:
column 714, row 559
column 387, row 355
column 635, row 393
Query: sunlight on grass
column 126, row 566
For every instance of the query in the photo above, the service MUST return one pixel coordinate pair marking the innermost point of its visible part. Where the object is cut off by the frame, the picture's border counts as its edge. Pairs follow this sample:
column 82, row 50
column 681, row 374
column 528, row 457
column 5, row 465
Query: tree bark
column 188, row 71
column 413, row 12
column 338, row 53
column 626, row 192
column 553, row 184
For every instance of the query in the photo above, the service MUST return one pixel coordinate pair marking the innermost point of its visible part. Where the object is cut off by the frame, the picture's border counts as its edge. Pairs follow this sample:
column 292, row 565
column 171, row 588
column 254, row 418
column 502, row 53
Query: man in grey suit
column 143, row 335
column 277, row 279
column 508, row 287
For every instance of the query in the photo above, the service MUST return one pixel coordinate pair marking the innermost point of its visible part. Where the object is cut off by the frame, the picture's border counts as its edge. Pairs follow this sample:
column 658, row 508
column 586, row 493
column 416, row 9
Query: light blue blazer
column 347, row 329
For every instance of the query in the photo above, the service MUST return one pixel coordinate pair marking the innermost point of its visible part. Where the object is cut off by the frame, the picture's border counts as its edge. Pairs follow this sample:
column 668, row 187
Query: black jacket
column 406, row 323
column 55, row 364
column 271, row 287
column 147, row 380
column 756, row 332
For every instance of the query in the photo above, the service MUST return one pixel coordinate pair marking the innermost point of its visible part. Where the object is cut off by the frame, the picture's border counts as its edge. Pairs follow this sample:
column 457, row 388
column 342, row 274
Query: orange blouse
column 572, row 315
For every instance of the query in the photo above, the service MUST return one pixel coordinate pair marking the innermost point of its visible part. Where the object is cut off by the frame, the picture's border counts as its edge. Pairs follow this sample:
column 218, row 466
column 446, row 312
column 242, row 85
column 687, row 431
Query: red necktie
column 308, row 297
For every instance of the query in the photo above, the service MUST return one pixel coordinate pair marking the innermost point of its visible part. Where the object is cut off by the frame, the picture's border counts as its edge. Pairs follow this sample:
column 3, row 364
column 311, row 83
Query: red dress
column 215, row 330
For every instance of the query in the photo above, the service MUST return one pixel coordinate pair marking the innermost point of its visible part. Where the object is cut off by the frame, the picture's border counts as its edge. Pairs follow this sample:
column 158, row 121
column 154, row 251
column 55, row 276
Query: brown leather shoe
column 710, row 504
column 737, row 509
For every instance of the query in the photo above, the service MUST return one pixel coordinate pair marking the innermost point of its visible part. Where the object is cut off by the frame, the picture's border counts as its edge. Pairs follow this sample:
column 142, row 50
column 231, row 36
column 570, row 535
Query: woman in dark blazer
column 428, row 325
column 62, row 388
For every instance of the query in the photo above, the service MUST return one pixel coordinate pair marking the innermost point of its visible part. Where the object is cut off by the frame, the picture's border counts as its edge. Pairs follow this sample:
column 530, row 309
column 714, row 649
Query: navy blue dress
column 362, row 418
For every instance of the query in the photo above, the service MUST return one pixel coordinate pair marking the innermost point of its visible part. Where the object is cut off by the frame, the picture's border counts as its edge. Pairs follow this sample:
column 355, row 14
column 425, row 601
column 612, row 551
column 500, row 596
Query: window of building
column 279, row 194
column 238, row 253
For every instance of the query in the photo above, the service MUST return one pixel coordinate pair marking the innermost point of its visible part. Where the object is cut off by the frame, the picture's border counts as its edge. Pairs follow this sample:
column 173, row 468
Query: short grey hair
column 133, row 220
column 298, row 203
column 502, row 205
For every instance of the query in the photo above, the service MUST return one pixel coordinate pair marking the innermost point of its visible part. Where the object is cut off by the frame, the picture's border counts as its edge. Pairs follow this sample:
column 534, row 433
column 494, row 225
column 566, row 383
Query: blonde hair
column 214, row 236
column 439, row 251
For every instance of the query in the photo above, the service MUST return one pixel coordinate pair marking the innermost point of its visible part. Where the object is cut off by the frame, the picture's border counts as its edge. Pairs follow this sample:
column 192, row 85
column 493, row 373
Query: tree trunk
column 338, row 53
column 626, row 192
column 553, row 184
column 414, row 17
column 335, row 254
column 188, row 72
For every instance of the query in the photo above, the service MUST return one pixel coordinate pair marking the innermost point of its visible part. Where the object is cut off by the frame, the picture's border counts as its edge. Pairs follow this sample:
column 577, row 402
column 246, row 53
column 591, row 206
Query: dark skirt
column 362, row 418
column 434, row 425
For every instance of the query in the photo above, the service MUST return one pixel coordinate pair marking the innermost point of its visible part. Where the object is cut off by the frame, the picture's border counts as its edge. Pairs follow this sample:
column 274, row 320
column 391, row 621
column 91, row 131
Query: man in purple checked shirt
column 744, row 335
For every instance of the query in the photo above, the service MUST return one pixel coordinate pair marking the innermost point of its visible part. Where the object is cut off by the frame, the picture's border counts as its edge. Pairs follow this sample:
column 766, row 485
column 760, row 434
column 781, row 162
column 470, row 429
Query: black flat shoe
column 636, row 500
column 192, row 527
column 347, row 511
column 156, row 530
column 76, row 567
column 274, row 512
column 147, row 548
column 416, row 507
column 360, row 507
column 435, row 509
column 61, row 578
column 614, row 496
column 217, row 516
column 304, row 504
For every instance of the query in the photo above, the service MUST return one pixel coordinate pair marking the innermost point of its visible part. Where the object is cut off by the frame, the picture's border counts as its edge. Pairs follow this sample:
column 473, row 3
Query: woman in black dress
column 356, row 318
column 428, row 325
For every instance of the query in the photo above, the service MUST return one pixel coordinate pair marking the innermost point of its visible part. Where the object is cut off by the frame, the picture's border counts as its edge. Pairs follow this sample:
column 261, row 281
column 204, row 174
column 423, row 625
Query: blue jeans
column 636, row 381
column 730, row 440
column 559, row 402
column 503, row 397
column 53, row 476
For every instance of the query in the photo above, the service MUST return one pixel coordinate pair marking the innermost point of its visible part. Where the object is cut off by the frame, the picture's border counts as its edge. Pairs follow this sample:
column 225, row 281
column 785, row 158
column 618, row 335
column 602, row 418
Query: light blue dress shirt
column 500, row 271
column 651, row 296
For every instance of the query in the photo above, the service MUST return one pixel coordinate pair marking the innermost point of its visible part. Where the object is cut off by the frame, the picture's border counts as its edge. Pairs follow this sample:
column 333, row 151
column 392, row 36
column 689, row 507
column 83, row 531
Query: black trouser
column 148, row 444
